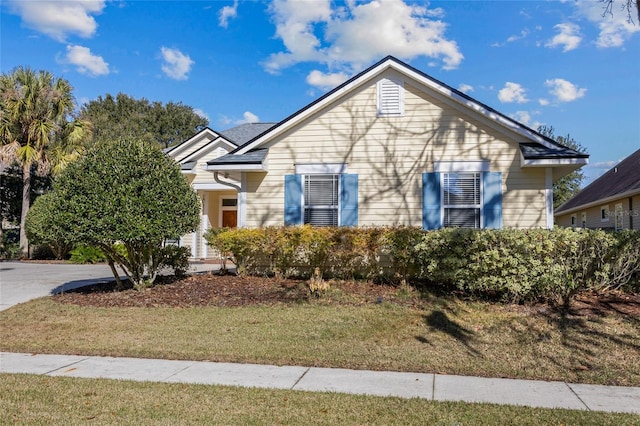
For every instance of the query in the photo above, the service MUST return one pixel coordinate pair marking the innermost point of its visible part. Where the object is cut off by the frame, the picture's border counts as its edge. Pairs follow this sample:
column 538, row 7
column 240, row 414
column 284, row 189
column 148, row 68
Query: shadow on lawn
column 439, row 321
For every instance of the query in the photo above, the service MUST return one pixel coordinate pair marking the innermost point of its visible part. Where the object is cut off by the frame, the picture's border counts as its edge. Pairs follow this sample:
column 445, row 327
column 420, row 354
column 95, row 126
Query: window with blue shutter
column 492, row 200
column 431, row 201
column 462, row 199
column 349, row 200
column 292, row 200
column 321, row 199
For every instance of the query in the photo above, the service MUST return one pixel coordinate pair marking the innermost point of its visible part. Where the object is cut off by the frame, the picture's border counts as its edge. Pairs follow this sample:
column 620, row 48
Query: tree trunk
column 26, row 203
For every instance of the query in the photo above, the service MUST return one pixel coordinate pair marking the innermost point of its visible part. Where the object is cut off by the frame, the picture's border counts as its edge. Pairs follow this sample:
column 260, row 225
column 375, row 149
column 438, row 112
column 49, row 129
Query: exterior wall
column 390, row 154
column 203, row 176
column 630, row 215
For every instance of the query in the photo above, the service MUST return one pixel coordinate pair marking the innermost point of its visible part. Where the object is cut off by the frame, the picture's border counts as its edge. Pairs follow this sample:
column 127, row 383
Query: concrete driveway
column 23, row 281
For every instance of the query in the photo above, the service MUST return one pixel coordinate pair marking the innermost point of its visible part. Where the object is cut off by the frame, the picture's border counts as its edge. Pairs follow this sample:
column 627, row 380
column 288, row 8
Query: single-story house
column 612, row 201
column 390, row 146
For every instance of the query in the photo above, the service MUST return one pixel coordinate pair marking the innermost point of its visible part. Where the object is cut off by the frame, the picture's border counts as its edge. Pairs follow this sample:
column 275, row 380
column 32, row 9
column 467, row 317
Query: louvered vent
column 390, row 97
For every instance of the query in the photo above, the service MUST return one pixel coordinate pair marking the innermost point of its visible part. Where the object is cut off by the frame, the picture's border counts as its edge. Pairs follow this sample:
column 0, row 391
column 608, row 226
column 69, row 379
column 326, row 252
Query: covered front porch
column 219, row 210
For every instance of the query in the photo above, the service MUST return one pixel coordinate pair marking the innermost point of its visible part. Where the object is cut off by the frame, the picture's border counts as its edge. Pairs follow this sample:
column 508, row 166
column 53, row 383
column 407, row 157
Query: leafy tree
column 125, row 197
column 125, row 117
column 48, row 224
column 569, row 185
column 10, row 197
column 36, row 129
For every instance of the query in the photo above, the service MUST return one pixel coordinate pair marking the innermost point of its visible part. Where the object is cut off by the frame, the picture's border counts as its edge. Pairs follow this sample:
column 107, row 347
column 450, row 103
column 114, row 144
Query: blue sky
column 559, row 63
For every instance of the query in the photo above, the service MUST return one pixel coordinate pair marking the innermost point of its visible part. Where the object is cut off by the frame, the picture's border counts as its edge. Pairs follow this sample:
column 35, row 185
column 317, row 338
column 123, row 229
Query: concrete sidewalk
column 435, row 387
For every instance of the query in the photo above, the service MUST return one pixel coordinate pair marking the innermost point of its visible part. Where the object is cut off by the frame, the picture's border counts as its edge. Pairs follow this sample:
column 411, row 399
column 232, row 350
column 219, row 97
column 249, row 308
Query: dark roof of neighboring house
column 620, row 180
column 540, row 151
column 536, row 151
column 251, row 157
column 245, row 132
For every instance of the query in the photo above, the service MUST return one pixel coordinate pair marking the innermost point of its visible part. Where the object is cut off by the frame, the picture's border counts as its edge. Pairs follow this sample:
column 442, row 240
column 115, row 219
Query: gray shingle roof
column 536, row 151
column 187, row 166
column 621, row 179
column 245, row 132
column 251, row 157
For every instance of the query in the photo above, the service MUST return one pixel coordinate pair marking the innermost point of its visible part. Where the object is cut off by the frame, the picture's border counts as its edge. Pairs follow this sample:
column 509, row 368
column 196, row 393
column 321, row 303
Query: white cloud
column 465, row 88
column 58, row 19
column 349, row 36
column 615, row 29
column 176, row 64
column 525, row 117
column 512, row 92
column 563, row 90
column 568, row 38
column 226, row 13
column 247, row 117
column 200, row 113
column 326, row 81
column 543, row 101
column 85, row 61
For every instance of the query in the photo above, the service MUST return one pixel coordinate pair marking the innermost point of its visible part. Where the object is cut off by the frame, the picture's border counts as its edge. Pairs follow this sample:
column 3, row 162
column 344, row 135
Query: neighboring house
column 611, row 201
column 390, row 146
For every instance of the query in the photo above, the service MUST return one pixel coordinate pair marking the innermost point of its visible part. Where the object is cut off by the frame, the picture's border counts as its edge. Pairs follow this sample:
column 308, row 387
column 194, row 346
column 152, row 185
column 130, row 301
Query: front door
column 229, row 218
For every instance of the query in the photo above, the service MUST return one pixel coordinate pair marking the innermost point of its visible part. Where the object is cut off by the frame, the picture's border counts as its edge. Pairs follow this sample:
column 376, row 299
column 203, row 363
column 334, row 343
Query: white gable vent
column 390, row 97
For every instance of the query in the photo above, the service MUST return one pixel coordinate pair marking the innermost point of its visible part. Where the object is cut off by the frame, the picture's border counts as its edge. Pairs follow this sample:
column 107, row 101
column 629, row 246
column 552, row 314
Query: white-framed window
column 321, row 193
column 574, row 220
column 584, row 219
column 619, row 215
column 390, row 97
column 462, row 199
column 604, row 214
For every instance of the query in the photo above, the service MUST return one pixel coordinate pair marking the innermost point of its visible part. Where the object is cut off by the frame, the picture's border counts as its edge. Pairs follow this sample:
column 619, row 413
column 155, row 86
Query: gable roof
column 622, row 180
column 539, row 147
column 245, row 132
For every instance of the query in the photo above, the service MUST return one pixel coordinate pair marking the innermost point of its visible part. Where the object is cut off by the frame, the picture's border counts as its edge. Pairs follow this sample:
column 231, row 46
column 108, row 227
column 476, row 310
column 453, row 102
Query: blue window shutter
column 492, row 192
column 349, row 200
column 431, row 201
column 292, row 199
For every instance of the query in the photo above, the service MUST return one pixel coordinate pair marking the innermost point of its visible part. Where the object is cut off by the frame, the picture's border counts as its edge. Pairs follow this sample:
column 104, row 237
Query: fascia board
column 236, row 167
column 550, row 162
column 202, row 133
column 208, row 148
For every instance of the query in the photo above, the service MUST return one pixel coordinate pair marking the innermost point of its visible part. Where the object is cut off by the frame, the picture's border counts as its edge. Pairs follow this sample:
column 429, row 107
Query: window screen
column 461, row 200
column 321, row 198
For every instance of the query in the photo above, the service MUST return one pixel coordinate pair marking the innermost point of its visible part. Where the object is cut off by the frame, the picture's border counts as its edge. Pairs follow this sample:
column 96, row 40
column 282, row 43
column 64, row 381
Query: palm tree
column 36, row 128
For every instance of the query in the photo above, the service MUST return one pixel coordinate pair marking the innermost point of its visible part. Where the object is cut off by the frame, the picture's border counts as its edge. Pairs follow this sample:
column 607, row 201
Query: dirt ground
column 234, row 291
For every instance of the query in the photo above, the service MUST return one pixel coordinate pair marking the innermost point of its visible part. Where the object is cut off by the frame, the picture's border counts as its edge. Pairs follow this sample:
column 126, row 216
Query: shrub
column 87, row 254
column 123, row 192
column 511, row 265
column 175, row 258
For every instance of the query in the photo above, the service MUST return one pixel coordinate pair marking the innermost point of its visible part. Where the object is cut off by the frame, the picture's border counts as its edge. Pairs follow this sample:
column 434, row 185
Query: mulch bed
column 234, row 291
column 223, row 290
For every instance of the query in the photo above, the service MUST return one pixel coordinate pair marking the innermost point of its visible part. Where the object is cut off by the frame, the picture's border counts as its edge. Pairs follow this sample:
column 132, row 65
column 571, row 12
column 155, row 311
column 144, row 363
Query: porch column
column 242, row 201
column 204, row 223
column 548, row 180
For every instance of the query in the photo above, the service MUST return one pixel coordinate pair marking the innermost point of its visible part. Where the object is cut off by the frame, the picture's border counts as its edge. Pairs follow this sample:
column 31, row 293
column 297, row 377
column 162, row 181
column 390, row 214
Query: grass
column 62, row 400
column 445, row 336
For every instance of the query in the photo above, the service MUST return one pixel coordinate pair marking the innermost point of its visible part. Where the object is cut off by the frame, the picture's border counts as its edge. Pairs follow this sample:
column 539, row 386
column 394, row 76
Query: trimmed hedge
column 511, row 265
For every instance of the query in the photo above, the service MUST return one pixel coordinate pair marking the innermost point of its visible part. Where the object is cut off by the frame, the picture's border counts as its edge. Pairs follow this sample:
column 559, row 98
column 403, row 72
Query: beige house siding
column 630, row 215
column 389, row 156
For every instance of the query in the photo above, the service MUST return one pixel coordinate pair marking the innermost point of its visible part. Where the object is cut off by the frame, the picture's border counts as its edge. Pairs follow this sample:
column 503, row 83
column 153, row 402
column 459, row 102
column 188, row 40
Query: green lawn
column 443, row 336
column 27, row 399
